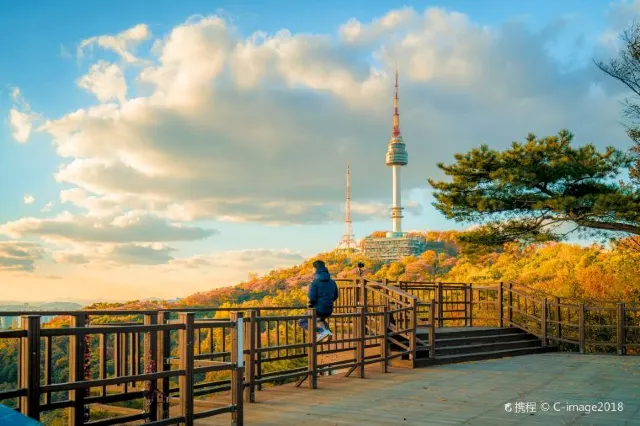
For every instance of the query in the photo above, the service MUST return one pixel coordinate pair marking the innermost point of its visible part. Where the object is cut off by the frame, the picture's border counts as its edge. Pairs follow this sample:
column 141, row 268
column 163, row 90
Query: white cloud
column 161, row 257
column 116, row 254
column 221, row 127
column 16, row 95
column 133, row 226
column 105, row 81
column 47, row 207
column 114, row 275
column 122, row 43
column 355, row 31
column 69, row 257
column 21, row 124
column 19, row 255
column 619, row 16
column 258, row 260
column 21, row 119
column 28, row 199
column 372, row 211
column 622, row 13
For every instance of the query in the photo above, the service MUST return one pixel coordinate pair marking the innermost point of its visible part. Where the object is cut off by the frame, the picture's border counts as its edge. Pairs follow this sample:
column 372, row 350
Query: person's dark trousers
column 304, row 324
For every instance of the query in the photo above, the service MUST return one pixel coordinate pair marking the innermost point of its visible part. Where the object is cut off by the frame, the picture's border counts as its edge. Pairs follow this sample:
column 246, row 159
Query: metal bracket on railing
column 239, row 325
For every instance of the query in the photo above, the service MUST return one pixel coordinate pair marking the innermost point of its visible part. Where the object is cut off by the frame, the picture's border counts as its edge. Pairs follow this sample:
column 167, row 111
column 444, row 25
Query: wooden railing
column 139, row 354
column 169, row 364
column 608, row 328
column 593, row 327
column 407, row 312
column 170, row 360
column 456, row 304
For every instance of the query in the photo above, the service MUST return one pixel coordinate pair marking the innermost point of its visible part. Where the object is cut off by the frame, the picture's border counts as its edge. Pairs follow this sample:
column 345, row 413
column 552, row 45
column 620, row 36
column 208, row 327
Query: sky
column 161, row 150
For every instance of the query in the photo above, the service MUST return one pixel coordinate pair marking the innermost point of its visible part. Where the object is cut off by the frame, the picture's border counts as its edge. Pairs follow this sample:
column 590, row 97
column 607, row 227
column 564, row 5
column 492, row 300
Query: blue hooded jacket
column 9, row 416
column 323, row 291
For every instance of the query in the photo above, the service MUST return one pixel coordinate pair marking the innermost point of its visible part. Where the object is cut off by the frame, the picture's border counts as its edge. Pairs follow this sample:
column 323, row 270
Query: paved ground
column 473, row 393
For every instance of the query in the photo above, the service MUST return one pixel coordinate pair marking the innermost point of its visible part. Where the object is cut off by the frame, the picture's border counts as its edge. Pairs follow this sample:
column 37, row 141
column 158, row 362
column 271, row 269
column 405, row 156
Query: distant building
column 392, row 249
column 9, row 322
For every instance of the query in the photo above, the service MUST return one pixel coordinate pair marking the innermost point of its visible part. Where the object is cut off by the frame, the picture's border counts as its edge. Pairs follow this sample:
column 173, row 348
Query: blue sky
column 244, row 142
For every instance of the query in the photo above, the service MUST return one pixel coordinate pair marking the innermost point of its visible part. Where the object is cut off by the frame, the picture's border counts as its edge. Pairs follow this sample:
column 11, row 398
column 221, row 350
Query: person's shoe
column 330, row 338
column 323, row 335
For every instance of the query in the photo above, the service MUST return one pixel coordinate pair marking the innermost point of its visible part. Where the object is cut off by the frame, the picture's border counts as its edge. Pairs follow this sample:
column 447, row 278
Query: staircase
column 474, row 343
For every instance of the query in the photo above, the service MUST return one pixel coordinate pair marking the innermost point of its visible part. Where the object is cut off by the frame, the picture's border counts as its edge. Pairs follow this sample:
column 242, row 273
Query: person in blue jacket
column 323, row 292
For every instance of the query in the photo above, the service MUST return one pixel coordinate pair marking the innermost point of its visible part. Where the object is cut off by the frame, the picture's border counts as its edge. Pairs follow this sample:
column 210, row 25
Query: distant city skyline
column 158, row 151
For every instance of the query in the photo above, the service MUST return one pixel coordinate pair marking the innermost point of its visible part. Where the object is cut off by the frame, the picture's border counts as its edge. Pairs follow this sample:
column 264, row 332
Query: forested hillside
column 588, row 273
column 584, row 272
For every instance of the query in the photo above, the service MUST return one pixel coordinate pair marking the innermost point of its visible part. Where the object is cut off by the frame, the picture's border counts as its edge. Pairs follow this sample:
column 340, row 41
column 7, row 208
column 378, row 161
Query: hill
column 569, row 270
column 60, row 306
column 587, row 273
column 49, row 306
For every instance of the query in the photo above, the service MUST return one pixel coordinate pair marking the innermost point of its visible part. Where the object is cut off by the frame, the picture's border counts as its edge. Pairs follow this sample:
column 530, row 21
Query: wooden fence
column 171, row 364
column 140, row 354
column 171, row 360
column 592, row 327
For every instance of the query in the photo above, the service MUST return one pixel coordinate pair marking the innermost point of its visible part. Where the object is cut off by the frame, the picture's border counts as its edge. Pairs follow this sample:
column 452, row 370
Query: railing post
column 258, row 372
column 581, row 327
column 510, row 305
column 356, row 291
column 465, row 300
column 48, row 366
column 77, row 413
column 544, row 322
column 432, row 329
column 185, row 382
column 440, row 305
column 20, row 383
column 117, row 365
column 237, row 359
column 384, row 344
column 470, row 304
column 312, row 350
column 250, row 358
column 621, row 330
column 360, row 344
column 363, row 292
column 500, row 306
column 151, row 366
column 30, row 367
column 102, row 360
column 413, row 337
column 558, row 319
column 164, row 353
column 133, row 355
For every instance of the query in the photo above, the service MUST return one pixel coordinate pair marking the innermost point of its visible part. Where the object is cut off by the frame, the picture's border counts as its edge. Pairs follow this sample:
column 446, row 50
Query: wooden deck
column 473, row 393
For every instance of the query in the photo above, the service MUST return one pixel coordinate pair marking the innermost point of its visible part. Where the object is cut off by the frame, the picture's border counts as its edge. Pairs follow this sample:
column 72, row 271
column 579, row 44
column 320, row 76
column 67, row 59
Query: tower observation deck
column 397, row 244
column 396, row 157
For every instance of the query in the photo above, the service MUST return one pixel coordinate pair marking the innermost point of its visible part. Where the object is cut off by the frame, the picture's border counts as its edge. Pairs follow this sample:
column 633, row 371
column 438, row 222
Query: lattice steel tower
column 348, row 241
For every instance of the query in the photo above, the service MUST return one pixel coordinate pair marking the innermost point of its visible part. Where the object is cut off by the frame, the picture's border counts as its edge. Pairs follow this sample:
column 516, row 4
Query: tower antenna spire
column 348, row 241
column 396, row 113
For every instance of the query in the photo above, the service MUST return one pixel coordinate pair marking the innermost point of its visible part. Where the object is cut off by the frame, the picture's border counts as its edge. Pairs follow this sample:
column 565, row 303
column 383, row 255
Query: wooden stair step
column 491, row 338
column 486, row 347
column 469, row 332
column 477, row 356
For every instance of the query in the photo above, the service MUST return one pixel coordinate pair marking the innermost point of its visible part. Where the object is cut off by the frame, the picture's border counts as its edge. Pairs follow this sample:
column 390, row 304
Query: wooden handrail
column 362, row 336
column 157, row 355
